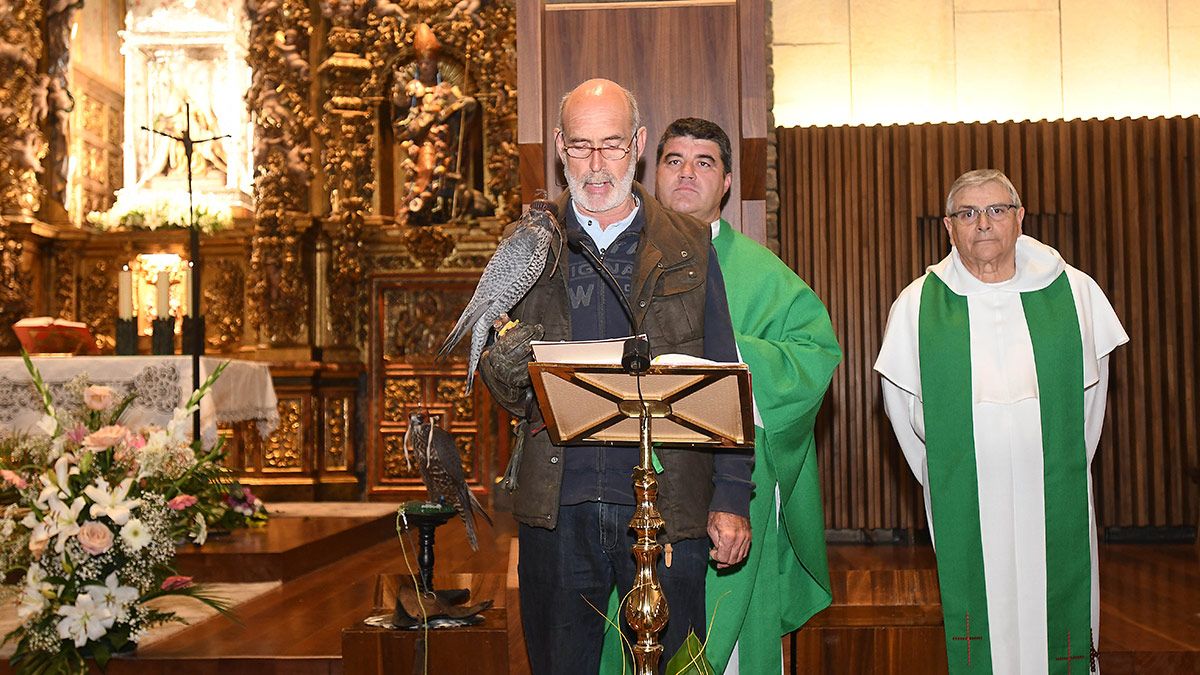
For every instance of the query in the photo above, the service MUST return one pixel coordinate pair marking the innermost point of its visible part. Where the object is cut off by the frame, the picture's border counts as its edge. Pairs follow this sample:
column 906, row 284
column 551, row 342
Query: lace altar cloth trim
column 162, row 383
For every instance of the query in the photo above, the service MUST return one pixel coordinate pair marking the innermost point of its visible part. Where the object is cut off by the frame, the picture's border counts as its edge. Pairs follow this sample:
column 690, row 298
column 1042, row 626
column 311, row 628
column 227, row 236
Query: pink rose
column 176, row 583
column 106, row 437
column 13, row 479
column 98, row 397
column 136, row 441
column 181, row 502
column 95, row 538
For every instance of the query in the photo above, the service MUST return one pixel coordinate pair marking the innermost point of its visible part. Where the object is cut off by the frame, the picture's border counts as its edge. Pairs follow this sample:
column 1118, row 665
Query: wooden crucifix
column 197, row 327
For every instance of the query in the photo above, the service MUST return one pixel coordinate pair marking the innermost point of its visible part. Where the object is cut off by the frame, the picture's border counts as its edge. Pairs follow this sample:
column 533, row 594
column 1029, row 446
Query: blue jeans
column 563, row 569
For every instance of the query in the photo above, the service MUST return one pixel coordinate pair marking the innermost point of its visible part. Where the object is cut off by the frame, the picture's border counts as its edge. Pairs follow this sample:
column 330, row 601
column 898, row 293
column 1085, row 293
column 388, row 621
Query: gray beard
column 624, row 188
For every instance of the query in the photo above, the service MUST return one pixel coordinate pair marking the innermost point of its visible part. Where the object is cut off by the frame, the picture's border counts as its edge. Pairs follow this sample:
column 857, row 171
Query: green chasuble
column 945, row 352
column 784, row 334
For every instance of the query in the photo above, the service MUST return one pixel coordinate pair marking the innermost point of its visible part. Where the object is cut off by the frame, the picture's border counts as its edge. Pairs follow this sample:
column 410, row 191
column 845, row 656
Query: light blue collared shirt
column 604, row 238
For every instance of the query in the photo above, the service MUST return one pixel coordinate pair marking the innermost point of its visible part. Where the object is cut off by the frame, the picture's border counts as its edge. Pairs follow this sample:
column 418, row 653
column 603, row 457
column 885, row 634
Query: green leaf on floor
column 690, row 659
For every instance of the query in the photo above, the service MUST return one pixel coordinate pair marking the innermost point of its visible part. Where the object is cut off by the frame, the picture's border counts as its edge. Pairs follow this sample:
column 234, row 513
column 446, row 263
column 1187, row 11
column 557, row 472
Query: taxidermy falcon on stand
column 508, row 276
column 441, row 470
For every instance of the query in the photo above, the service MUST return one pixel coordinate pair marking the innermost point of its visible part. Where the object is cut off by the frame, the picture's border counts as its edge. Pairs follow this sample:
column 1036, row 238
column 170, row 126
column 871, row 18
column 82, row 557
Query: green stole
column 945, row 358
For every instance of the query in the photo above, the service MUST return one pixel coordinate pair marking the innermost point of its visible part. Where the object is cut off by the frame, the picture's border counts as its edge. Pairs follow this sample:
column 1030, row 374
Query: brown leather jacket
column 669, row 299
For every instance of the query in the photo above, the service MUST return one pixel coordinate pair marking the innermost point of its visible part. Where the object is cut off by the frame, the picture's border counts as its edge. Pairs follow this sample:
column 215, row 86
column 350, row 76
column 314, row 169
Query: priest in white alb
column 995, row 374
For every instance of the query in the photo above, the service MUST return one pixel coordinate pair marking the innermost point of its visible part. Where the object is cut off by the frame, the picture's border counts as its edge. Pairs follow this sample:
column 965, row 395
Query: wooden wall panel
column 861, row 218
column 666, row 86
column 651, row 48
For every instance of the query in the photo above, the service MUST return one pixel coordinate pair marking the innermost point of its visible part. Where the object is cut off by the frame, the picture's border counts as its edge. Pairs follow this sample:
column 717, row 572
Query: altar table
column 162, row 383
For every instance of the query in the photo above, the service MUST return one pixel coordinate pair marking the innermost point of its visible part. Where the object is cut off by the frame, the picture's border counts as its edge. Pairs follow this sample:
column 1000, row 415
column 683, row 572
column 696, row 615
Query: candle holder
column 162, row 340
column 193, row 335
column 127, row 336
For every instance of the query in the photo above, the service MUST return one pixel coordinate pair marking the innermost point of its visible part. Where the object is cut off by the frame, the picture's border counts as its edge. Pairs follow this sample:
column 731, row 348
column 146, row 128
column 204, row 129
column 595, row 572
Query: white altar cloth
column 162, row 383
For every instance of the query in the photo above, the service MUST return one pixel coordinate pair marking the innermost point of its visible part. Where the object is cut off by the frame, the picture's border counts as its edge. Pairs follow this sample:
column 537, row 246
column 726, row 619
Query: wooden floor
column 298, row 628
column 886, row 614
column 885, row 617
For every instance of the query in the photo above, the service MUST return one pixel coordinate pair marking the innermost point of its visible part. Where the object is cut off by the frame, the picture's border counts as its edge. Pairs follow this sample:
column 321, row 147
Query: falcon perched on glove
column 514, row 268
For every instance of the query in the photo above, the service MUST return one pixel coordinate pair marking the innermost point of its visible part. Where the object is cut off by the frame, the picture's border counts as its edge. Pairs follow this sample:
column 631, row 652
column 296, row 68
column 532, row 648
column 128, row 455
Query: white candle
column 125, row 293
column 163, row 284
column 185, row 304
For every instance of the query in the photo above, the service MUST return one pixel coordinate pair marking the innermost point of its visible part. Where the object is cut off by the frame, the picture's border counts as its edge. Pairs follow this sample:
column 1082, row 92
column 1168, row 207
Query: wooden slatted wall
column 861, row 217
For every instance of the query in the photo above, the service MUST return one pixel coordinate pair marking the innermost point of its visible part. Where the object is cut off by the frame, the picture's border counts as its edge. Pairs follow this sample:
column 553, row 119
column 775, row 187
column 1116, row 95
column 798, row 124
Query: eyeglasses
column 969, row 215
column 610, row 152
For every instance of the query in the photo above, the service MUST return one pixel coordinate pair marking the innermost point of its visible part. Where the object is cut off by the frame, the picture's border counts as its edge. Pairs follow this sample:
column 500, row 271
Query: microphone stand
column 635, row 356
column 647, row 610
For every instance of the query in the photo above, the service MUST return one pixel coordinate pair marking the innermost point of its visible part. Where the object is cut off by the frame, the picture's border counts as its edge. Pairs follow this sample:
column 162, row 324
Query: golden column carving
column 22, row 149
column 347, row 130
column 22, row 108
column 285, row 448
column 279, row 96
column 448, row 71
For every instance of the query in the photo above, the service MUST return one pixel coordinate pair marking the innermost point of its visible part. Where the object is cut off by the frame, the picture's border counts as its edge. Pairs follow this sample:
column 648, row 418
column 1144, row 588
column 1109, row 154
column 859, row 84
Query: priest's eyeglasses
column 970, row 215
column 610, row 152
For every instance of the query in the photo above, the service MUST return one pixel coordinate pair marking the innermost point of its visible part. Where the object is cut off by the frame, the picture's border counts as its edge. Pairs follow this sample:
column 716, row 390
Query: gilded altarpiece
column 445, row 85
column 411, row 314
column 381, row 137
column 22, row 112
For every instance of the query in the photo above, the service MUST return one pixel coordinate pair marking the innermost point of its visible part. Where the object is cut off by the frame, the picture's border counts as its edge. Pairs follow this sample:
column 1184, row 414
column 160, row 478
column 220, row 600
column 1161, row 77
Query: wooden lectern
column 706, row 406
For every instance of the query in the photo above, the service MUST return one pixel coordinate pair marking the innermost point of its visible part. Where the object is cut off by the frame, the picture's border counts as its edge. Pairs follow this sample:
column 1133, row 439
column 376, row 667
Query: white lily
column 83, row 621
column 56, row 483
column 64, row 520
column 111, row 502
column 201, row 529
column 179, row 428
column 48, row 424
column 113, row 597
column 35, row 593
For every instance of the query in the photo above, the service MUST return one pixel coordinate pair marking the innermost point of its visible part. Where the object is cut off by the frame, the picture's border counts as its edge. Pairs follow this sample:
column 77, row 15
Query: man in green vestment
column 784, row 334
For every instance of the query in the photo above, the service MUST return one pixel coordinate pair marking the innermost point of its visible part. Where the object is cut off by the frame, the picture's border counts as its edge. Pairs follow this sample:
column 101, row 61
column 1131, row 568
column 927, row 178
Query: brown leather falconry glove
column 505, row 365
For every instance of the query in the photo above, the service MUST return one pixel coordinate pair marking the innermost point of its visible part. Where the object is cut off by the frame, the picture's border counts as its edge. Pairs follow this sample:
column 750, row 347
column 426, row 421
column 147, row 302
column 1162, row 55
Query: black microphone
column 635, row 357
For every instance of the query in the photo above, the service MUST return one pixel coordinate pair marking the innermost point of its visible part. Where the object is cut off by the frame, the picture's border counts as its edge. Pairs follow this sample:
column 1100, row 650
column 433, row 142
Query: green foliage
column 690, row 659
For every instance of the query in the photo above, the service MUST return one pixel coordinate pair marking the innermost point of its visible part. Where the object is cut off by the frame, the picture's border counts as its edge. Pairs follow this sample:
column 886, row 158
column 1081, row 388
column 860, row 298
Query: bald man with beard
column 574, row 505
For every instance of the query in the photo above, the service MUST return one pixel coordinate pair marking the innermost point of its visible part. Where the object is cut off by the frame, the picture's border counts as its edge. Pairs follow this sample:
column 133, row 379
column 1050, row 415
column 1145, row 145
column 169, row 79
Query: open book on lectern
column 586, row 397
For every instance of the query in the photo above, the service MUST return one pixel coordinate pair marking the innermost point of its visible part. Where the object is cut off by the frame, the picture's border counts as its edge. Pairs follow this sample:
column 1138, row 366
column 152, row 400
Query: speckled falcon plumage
column 508, row 276
column 441, row 470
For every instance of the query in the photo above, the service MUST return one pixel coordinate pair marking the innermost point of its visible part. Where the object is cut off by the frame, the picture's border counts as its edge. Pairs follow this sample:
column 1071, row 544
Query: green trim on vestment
column 945, row 356
column 1058, row 355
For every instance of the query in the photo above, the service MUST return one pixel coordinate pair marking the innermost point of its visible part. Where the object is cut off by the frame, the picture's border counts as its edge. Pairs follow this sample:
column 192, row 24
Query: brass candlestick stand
column 647, row 610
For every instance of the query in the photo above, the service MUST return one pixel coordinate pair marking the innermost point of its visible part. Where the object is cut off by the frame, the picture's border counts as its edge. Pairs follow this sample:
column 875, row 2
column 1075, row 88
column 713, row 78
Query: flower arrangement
column 144, row 210
column 93, row 516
